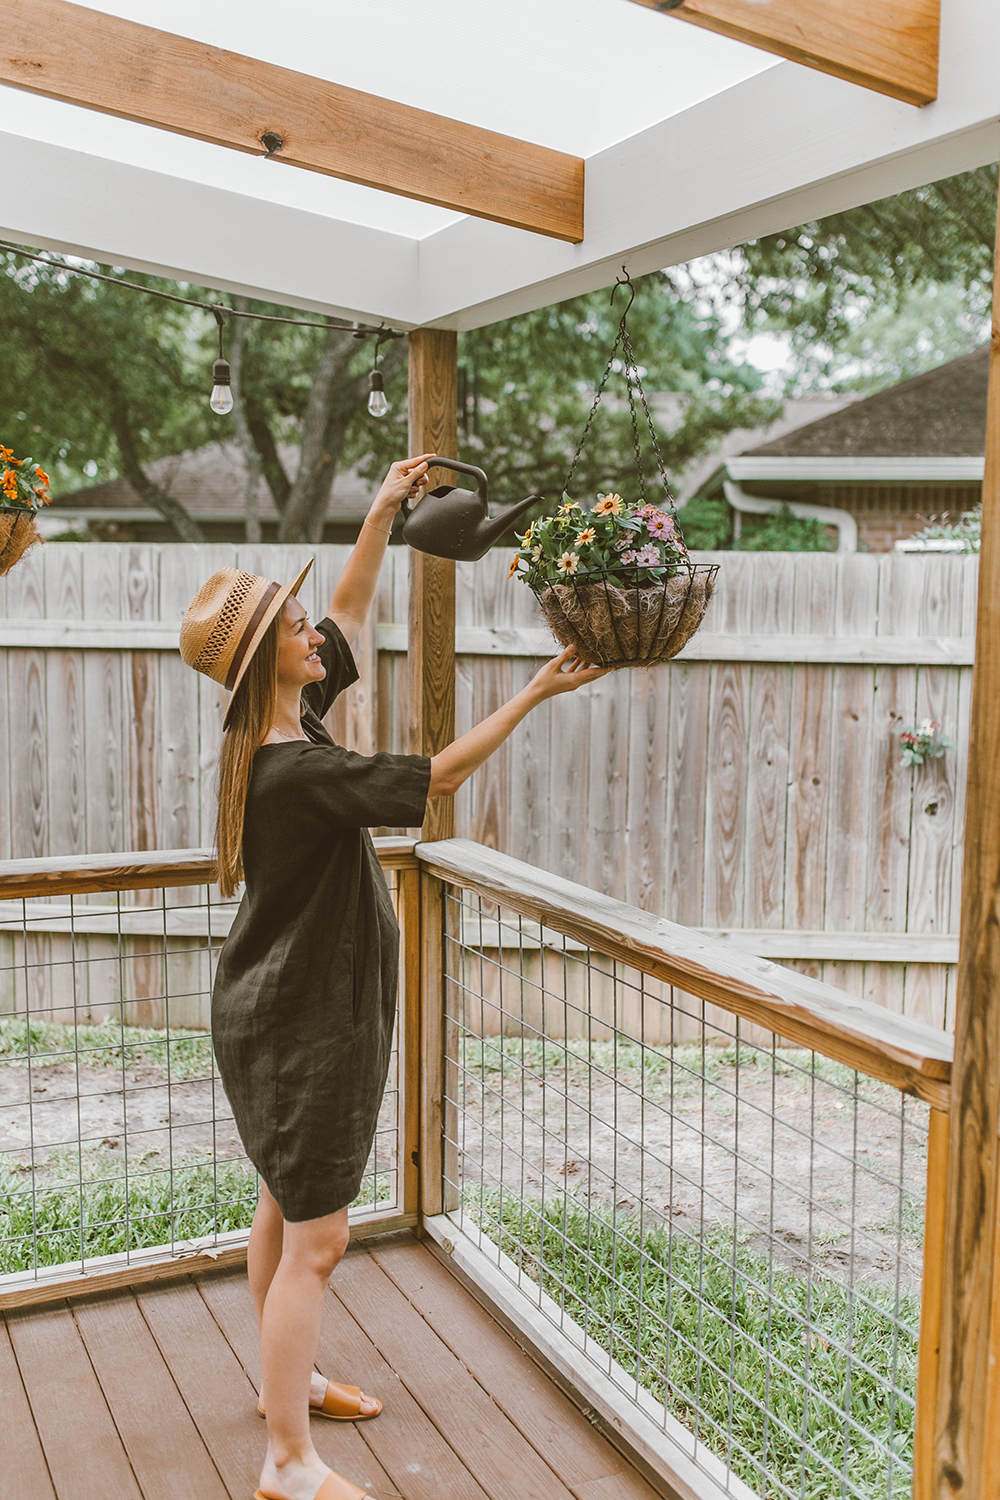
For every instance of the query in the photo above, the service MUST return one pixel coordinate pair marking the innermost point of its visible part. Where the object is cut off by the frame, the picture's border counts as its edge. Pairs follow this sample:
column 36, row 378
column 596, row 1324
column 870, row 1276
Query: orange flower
column 6, row 452
column 43, row 476
column 513, row 566
column 609, row 505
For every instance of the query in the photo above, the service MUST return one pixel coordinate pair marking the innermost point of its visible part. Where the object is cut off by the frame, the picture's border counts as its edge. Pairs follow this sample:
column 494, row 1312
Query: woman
column 305, row 995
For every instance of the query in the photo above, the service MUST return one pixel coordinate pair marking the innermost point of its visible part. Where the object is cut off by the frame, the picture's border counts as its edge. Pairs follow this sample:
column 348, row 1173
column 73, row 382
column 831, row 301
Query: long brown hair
column 248, row 719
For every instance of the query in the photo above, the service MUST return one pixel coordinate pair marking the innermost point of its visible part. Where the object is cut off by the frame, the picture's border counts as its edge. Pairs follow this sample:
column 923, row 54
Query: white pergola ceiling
column 692, row 143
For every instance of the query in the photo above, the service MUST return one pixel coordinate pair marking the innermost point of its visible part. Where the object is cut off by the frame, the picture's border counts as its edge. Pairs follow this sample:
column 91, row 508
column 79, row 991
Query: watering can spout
column 457, row 523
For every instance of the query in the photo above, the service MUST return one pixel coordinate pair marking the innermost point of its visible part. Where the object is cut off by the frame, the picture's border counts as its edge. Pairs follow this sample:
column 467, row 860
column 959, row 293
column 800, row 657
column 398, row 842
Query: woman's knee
column 318, row 1247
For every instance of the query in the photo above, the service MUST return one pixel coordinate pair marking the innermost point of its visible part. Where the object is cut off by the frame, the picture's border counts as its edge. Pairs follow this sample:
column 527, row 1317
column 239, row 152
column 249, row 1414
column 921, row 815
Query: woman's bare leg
column 263, row 1258
column 293, row 1306
column 264, row 1250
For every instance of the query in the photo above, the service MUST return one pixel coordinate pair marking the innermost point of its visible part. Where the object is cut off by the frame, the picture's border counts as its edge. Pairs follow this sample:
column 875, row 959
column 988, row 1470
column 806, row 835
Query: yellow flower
column 569, row 562
column 608, row 505
column 567, row 506
column 587, row 534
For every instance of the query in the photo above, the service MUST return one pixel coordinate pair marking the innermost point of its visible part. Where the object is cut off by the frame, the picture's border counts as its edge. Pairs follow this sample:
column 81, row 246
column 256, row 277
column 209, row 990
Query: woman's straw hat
column 226, row 620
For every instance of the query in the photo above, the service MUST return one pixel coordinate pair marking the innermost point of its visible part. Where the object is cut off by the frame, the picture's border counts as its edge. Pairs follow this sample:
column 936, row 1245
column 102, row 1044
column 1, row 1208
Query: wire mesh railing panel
column 116, row 1137
column 730, row 1228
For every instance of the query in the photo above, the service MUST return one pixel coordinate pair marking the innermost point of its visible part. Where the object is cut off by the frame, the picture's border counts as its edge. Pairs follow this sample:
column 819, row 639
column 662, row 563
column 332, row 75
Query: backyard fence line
column 752, row 788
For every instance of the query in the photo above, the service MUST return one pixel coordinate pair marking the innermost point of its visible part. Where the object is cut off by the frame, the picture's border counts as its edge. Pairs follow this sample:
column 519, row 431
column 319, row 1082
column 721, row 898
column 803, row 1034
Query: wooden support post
column 967, row 1448
column 431, row 659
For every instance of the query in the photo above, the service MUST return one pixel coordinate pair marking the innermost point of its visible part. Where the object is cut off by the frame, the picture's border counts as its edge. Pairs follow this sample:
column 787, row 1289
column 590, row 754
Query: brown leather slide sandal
column 334, row 1487
column 342, row 1403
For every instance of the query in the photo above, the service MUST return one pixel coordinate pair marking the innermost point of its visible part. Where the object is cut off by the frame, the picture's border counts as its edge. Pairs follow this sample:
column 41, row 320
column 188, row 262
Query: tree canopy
column 99, row 380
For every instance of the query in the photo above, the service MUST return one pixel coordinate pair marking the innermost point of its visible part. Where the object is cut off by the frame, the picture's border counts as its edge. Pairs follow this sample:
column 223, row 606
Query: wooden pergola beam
column 117, row 67
column 891, row 47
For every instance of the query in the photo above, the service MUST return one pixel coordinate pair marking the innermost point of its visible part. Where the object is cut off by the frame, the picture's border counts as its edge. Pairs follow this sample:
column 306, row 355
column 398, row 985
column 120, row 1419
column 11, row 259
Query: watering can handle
column 454, row 464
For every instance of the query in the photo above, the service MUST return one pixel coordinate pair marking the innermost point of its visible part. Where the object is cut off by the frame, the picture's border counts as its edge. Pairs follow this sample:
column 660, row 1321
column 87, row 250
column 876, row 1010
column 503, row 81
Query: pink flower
column 628, row 557
column 660, row 525
column 647, row 557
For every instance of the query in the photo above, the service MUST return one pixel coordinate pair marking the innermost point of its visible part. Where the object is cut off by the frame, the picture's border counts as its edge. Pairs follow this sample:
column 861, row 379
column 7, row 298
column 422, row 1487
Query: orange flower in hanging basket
column 24, row 486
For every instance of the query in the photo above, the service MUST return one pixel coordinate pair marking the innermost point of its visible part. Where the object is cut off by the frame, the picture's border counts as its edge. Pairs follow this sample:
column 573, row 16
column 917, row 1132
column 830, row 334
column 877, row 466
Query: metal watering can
column 455, row 523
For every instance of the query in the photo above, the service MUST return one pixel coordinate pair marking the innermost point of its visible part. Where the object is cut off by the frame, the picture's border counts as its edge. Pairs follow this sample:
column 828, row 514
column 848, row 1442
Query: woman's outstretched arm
column 456, row 763
column 352, row 598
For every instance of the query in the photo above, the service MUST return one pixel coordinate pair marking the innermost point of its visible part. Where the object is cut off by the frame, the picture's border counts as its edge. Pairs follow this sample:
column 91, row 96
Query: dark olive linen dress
column 305, row 995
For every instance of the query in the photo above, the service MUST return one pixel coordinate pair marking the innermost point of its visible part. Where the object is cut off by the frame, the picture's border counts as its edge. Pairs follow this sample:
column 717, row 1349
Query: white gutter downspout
column 847, row 526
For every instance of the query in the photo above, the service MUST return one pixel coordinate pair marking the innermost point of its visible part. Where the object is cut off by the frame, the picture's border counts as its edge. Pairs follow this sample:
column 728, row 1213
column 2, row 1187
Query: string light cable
column 221, row 399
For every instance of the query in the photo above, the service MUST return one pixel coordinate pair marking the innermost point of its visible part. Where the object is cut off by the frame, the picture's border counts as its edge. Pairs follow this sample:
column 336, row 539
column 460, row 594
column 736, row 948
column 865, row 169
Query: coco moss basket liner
column 615, row 623
column 18, row 532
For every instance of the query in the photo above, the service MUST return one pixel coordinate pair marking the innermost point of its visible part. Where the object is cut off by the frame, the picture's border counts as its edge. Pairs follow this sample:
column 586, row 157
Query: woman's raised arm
column 355, row 590
column 457, row 761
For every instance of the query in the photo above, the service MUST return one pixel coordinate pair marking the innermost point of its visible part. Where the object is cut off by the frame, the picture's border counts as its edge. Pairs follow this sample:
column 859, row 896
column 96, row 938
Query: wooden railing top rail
column 140, row 870
column 907, row 1054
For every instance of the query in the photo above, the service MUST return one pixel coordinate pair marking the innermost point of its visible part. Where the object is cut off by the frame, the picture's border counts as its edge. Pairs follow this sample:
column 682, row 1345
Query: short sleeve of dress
column 345, row 790
column 341, row 670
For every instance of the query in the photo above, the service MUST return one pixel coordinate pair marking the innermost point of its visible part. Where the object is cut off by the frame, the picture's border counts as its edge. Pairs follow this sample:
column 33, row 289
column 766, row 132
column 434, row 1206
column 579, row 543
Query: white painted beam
column 779, row 148
column 73, row 202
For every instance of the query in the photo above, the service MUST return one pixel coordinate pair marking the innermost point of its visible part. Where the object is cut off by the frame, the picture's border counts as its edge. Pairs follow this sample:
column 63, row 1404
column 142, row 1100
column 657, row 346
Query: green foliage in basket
column 632, row 544
column 22, row 482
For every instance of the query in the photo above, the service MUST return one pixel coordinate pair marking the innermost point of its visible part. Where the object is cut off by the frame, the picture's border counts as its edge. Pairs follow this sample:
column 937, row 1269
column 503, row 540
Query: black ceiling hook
column 624, row 280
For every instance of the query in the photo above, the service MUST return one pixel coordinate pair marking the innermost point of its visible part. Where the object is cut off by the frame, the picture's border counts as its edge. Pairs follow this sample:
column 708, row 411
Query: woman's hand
column 404, row 480
column 564, row 674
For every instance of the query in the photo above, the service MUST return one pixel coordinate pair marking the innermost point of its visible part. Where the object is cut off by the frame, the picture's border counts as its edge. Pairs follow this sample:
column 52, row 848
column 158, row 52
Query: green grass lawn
column 769, row 1370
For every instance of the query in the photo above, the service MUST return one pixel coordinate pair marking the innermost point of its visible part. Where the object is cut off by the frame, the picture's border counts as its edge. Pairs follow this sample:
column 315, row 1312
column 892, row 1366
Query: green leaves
column 631, row 544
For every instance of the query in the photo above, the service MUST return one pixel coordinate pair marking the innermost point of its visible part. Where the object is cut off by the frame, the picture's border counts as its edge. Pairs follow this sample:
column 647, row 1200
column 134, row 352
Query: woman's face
column 298, row 663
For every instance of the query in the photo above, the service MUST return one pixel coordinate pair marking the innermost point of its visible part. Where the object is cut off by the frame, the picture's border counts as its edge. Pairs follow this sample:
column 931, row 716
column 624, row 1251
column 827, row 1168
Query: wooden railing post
column 431, row 1045
column 431, row 650
column 930, row 1305
column 967, row 1448
column 409, row 1040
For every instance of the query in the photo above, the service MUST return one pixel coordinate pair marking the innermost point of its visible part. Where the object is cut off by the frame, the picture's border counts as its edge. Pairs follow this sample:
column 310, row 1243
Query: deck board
column 23, row 1460
column 484, row 1438
column 557, row 1430
column 150, row 1393
column 83, row 1449
column 163, row 1445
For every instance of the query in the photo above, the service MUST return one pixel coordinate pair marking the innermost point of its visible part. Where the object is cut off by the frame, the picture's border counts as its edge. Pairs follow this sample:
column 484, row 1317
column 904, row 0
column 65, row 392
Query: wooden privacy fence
column 753, row 788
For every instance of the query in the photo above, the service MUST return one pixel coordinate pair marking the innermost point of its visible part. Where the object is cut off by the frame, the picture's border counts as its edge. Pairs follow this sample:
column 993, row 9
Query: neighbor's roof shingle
column 210, row 482
column 939, row 414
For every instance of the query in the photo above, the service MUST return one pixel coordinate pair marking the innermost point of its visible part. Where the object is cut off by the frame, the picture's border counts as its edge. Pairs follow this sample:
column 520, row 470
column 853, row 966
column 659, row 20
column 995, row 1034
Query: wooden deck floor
column 151, row 1393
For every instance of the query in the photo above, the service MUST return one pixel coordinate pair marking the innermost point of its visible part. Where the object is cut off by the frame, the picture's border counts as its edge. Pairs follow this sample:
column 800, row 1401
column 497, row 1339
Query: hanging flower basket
column 616, row 581
column 23, row 488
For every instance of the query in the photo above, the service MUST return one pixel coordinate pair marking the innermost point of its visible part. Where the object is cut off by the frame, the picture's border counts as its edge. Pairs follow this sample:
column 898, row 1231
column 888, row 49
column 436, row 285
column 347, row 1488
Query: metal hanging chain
column 630, row 370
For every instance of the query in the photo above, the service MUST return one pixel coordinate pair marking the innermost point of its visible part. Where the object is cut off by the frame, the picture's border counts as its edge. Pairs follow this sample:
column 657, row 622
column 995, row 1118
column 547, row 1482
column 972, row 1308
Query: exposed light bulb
column 378, row 406
column 221, row 399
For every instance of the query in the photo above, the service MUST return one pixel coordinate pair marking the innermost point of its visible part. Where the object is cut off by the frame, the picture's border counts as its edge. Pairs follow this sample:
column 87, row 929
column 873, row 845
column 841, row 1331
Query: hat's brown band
column 247, row 636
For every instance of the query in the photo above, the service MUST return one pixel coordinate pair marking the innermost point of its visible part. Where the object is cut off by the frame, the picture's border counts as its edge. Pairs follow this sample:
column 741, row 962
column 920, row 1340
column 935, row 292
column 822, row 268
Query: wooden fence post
column 431, row 652
column 967, row 1449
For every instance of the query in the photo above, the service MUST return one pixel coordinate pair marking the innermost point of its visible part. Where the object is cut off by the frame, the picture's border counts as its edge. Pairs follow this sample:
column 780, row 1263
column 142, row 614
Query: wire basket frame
column 616, row 623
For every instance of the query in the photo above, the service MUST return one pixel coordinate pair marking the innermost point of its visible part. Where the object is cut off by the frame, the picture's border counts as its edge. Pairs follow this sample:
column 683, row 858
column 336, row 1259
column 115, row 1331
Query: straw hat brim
column 276, row 604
